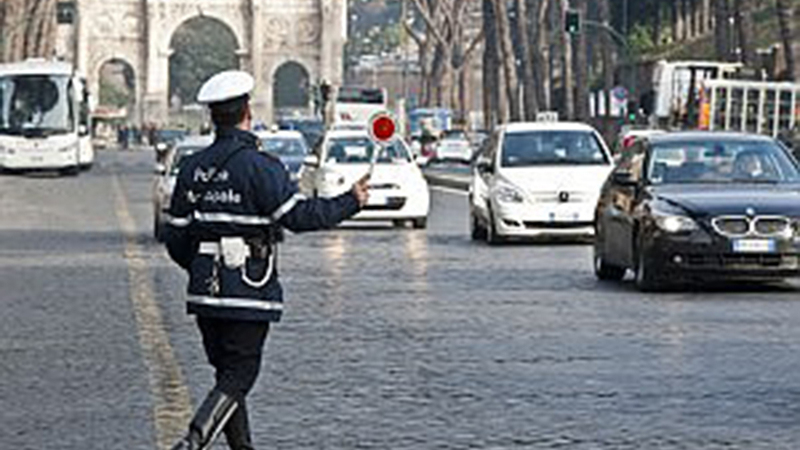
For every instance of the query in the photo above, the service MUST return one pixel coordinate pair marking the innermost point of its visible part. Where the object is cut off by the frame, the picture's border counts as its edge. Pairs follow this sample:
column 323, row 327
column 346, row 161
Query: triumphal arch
column 271, row 34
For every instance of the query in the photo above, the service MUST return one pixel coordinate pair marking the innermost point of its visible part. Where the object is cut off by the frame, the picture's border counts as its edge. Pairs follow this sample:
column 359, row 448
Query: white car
column 538, row 180
column 454, row 146
column 167, row 175
column 398, row 191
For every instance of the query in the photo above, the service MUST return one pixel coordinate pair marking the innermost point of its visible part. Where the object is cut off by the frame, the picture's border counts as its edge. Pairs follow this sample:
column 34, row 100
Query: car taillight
column 628, row 141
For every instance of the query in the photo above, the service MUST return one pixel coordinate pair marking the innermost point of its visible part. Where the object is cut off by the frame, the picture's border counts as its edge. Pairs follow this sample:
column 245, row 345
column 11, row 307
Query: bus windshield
column 36, row 105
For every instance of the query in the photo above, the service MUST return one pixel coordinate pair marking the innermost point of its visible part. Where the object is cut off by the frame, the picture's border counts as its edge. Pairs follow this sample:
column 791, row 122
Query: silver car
column 167, row 175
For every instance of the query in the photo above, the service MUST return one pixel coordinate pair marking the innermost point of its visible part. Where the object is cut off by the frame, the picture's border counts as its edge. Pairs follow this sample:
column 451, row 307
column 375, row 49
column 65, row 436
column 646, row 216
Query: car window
column 281, row 146
column 532, row 148
column 715, row 161
column 354, row 150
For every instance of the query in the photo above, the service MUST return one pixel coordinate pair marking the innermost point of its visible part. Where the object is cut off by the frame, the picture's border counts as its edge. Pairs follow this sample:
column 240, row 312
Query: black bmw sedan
column 694, row 206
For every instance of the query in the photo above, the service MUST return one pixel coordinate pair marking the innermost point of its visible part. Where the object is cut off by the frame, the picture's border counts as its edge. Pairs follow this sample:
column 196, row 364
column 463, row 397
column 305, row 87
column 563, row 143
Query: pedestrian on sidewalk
column 230, row 204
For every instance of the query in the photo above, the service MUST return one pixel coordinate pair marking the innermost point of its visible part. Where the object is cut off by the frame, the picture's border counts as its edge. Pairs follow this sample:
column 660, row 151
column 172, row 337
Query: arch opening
column 201, row 47
column 117, row 89
column 291, row 90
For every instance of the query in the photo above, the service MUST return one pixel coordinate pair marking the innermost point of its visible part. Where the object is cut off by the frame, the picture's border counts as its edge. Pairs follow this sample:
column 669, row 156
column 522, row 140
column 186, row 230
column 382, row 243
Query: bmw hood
column 711, row 200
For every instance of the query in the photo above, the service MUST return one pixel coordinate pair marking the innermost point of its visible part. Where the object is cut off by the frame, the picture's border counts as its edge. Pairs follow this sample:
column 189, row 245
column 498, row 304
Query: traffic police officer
column 230, row 204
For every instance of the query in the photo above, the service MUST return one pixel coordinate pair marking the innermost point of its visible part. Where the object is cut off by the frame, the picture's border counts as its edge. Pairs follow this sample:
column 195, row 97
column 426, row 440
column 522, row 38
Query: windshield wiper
column 757, row 180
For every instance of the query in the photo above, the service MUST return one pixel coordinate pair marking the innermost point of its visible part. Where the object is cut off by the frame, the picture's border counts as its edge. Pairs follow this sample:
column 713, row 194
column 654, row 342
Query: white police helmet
column 226, row 86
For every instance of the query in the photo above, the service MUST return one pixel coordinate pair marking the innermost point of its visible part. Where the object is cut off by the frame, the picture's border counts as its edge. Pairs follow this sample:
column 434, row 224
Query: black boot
column 208, row 422
column 237, row 430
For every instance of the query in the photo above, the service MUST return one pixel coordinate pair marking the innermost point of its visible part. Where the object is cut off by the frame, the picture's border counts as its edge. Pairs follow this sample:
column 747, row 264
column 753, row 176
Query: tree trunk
column 508, row 60
column 786, row 21
column 581, row 68
column 541, row 65
column 655, row 8
column 568, row 102
column 744, row 30
column 528, row 80
column 608, row 69
column 722, row 30
column 491, row 65
column 674, row 10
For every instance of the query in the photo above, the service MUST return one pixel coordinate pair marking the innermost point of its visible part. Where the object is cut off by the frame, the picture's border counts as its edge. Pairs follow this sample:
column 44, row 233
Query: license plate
column 564, row 217
column 37, row 159
column 754, row 246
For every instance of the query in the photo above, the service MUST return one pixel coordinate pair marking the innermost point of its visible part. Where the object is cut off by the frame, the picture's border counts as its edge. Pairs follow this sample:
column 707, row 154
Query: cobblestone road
column 393, row 339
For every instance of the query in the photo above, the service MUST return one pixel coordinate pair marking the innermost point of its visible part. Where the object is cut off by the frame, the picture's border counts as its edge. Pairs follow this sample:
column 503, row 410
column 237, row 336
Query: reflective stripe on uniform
column 179, row 222
column 231, row 218
column 237, row 303
column 287, row 206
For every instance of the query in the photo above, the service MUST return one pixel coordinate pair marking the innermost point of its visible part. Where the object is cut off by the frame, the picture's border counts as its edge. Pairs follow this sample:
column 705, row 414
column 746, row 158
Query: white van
column 538, row 180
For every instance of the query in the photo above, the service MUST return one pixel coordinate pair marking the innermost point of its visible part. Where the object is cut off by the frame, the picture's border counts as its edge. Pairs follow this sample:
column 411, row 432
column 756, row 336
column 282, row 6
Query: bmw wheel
column 646, row 278
column 605, row 271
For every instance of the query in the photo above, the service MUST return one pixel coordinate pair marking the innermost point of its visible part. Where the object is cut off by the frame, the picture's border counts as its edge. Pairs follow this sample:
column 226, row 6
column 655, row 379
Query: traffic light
column 65, row 12
column 633, row 111
column 572, row 22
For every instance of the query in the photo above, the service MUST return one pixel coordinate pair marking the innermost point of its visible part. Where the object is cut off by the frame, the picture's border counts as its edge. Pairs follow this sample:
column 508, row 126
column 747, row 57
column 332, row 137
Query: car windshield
column 719, row 161
column 538, row 148
column 455, row 135
column 180, row 158
column 36, row 105
column 355, row 150
column 285, row 146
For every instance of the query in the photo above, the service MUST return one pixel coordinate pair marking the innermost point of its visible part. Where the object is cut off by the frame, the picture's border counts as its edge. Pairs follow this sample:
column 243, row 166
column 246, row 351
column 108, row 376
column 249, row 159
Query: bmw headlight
column 675, row 223
column 508, row 194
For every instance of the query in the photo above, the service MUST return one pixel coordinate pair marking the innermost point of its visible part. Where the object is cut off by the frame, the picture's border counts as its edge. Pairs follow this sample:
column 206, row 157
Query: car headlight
column 508, row 194
column 69, row 148
column 675, row 224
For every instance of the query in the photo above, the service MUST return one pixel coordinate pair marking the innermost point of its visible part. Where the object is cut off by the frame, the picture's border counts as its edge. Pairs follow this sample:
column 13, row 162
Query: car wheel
column 646, row 278
column 491, row 232
column 605, row 271
column 399, row 223
column 477, row 231
column 420, row 223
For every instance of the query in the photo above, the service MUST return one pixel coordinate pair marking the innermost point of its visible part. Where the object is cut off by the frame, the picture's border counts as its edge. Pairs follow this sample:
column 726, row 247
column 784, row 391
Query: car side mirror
column 311, row 160
column 624, row 179
column 160, row 169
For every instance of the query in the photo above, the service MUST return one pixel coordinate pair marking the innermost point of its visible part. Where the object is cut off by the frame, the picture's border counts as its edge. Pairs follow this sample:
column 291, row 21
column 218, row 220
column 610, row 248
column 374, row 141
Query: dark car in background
column 312, row 129
column 289, row 146
column 696, row 206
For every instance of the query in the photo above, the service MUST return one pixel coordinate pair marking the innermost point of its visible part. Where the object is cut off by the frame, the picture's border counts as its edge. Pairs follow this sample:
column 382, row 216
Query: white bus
column 675, row 86
column 44, row 117
column 355, row 105
column 749, row 106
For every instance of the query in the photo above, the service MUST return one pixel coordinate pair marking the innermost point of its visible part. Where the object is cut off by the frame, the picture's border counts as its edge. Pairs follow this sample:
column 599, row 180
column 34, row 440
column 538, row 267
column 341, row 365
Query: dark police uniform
column 230, row 204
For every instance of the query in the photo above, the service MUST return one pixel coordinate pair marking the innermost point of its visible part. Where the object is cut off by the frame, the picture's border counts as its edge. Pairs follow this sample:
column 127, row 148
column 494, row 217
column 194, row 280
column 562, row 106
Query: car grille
column 392, row 204
column 743, row 261
column 558, row 225
column 740, row 226
column 559, row 197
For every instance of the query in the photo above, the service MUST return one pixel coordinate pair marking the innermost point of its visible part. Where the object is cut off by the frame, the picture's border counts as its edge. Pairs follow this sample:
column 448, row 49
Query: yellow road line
column 171, row 403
